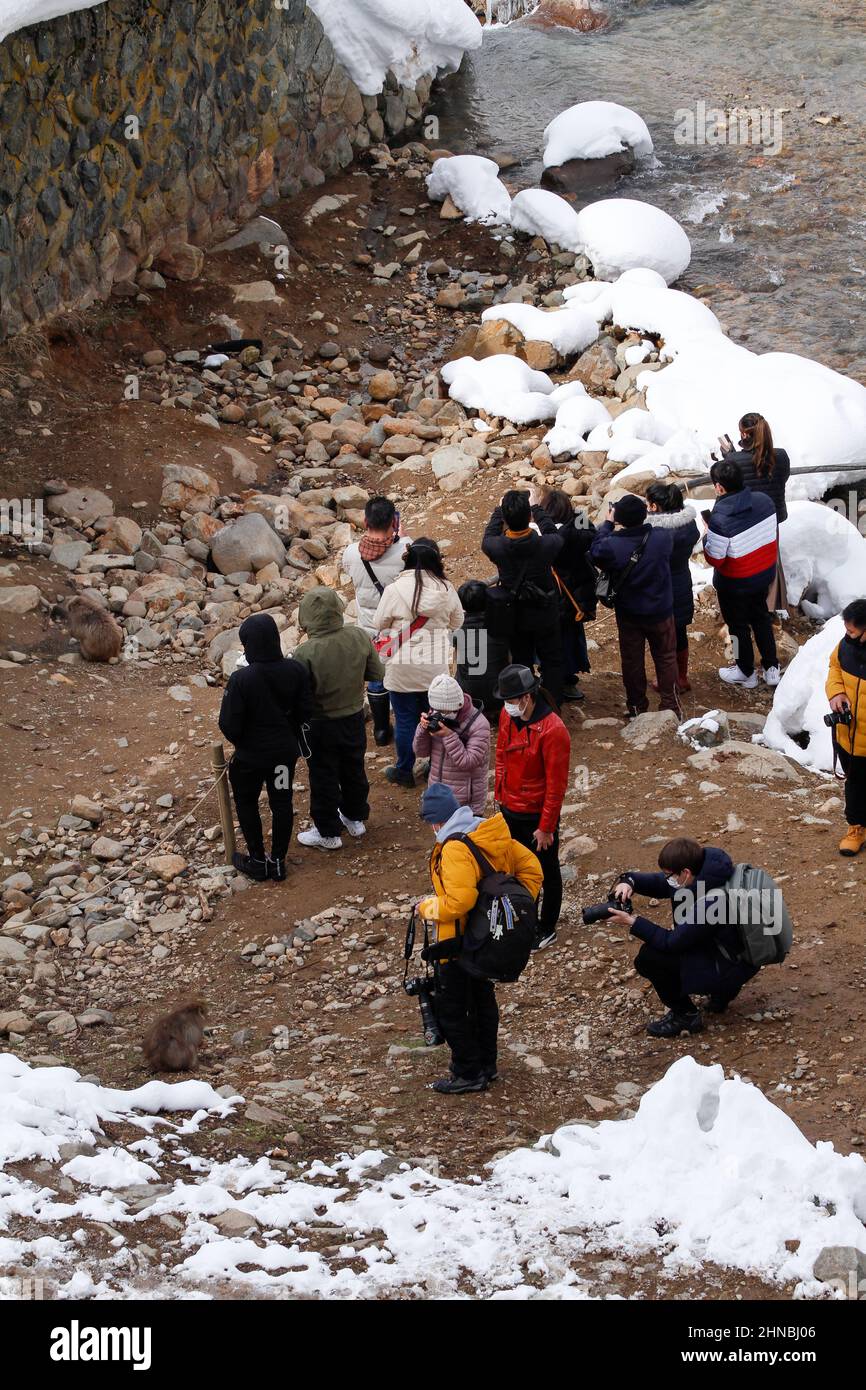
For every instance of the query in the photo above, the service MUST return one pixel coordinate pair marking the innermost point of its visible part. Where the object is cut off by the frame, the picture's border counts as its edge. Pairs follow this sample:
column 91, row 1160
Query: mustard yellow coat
column 455, row 873
column 847, row 676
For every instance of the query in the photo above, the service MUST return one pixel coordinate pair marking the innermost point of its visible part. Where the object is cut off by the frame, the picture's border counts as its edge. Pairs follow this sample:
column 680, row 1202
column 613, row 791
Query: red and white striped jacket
column 742, row 540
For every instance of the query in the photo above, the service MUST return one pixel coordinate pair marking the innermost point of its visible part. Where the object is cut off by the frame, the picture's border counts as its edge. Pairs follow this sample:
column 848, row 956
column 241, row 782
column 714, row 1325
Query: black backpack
column 500, row 930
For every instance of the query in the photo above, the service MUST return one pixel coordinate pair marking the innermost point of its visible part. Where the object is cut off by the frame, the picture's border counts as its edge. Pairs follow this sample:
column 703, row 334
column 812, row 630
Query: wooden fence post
column 218, row 761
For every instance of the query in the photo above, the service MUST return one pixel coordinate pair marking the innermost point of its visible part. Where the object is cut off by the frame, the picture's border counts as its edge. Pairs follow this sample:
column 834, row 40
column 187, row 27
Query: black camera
column 599, row 912
column 422, row 988
column 841, row 716
column 434, row 722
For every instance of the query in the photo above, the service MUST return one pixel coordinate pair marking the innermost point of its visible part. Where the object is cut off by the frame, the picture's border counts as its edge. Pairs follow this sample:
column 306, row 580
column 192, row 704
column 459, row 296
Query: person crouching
column 465, row 1006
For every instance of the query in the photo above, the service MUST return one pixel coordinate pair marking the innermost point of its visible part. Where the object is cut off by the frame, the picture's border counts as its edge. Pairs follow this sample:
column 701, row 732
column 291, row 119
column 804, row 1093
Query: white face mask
column 674, row 882
column 512, row 710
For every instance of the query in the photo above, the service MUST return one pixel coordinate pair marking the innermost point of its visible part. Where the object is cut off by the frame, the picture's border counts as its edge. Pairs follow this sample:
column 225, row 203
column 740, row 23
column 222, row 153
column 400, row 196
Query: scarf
column 518, row 535
column 372, row 548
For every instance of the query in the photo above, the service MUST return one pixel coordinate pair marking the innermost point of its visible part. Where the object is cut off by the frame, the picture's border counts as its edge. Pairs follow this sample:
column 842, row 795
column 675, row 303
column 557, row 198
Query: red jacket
column 532, row 765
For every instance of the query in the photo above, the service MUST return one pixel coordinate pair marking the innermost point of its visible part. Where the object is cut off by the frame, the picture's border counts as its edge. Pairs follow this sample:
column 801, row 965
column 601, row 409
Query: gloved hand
column 428, row 908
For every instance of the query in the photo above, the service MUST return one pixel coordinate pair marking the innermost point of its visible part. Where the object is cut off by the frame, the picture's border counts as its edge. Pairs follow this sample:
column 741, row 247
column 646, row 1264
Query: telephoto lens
column 598, row 912
column 432, row 1033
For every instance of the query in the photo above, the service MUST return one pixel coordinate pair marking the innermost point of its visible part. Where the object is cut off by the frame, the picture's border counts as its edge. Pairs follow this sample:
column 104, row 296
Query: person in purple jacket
column 700, row 954
column 455, row 736
column 644, row 603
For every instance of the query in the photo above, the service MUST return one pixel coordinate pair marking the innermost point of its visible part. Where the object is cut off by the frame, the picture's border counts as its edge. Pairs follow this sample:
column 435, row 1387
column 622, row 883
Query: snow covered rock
column 538, row 212
column 618, row 234
column 640, row 299
column 569, row 331
column 575, row 418
column 824, row 559
column 17, row 14
column 593, row 129
column 800, row 702
column 501, row 385
column 473, row 185
column 410, row 38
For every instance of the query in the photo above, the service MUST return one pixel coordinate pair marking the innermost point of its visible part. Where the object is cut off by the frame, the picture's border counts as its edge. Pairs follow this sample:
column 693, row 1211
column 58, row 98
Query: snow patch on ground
column 501, row 385
column 800, row 702
column 473, row 184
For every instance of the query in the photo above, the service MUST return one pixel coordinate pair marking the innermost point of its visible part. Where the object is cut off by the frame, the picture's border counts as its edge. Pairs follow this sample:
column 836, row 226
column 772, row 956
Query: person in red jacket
column 533, row 748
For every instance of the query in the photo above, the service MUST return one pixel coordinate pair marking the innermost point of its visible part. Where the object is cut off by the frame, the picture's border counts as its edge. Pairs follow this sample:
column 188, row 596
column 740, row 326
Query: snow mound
column 593, row 129
column 567, row 330
column 800, row 701
column 474, row 187
column 620, row 234
column 824, row 558
column 501, row 385
column 574, row 420
column 19, row 14
column 410, row 38
column 537, row 212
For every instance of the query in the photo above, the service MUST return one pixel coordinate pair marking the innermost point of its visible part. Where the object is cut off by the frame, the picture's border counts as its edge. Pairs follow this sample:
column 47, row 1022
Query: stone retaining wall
column 134, row 132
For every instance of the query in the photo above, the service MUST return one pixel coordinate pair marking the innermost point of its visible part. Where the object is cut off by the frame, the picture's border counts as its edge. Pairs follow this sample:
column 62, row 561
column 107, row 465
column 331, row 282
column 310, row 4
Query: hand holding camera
column 840, row 712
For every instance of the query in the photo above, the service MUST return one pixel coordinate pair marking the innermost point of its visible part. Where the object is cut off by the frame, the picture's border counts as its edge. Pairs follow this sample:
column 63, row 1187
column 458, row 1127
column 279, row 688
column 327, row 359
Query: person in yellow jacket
column 846, row 691
column 466, row 1007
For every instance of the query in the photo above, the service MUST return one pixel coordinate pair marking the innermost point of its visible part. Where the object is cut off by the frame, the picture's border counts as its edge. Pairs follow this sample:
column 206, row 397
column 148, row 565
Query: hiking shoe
column 489, row 1072
column 673, row 1024
column 399, row 779
column 544, row 938
column 313, row 840
column 276, row 869
column 772, row 675
column 573, row 693
column 356, row 828
column 853, row 841
column 459, row 1085
column 732, row 675
column 717, row 1004
column 256, row 869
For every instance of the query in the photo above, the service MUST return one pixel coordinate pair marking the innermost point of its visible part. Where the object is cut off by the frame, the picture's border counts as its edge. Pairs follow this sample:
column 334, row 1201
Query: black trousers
column 855, row 787
column 663, row 972
column 522, row 828
column 538, row 635
column 338, row 778
column 247, row 782
column 468, row 1015
column 745, row 612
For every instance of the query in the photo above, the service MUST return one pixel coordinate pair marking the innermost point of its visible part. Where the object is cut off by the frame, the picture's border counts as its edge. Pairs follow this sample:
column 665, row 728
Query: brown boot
column 853, row 841
column 683, row 669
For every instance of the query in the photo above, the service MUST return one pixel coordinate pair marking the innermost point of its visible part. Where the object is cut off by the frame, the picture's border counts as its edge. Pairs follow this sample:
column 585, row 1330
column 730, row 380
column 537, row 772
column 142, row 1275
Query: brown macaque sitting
column 96, row 631
column 173, row 1041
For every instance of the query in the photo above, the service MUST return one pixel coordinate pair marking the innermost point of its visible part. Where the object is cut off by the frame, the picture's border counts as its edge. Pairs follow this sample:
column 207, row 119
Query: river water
column 779, row 238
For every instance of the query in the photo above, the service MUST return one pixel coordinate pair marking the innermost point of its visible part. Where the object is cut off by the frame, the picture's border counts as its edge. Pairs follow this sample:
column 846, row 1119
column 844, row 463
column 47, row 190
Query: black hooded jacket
column 265, row 702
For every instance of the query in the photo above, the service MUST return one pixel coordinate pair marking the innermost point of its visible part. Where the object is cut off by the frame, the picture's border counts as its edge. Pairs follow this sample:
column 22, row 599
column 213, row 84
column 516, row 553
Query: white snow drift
column 411, row 38
column 620, row 234
column 537, row 212
column 474, row 186
column 567, row 330
column 824, row 559
column 574, row 420
column 800, row 702
column 593, row 129
column 19, row 14
column 501, row 385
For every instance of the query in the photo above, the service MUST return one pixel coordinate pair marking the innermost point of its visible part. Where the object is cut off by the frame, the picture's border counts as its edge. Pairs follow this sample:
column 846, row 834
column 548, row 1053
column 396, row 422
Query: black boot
column 460, row 1085
column 673, row 1024
column 276, row 869
column 399, row 779
column 380, row 708
column 253, row 868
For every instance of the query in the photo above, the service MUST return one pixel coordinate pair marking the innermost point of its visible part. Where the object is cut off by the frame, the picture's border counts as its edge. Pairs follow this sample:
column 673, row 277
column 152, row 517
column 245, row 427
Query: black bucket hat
column 515, row 682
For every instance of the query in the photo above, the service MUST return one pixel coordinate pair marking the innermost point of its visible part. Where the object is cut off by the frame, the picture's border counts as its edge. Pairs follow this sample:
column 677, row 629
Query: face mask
column 512, row 710
column 674, row 882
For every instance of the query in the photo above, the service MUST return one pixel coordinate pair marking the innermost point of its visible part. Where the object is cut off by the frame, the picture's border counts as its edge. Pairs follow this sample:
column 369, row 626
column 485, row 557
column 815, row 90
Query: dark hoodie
column 647, row 594
column 339, row 658
column 265, row 702
column 692, row 942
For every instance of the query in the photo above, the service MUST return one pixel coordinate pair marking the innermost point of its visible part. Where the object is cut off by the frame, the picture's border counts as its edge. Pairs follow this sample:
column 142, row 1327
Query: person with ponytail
column 765, row 469
column 666, row 510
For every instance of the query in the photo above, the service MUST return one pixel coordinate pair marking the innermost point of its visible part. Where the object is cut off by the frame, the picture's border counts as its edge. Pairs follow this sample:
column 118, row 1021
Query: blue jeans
column 376, row 687
column 407, row 707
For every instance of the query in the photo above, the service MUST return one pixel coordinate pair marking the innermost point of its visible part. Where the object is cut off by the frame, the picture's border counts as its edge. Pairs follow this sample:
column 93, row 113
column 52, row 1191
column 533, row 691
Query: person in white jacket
column 419, row 611
column 372, row 563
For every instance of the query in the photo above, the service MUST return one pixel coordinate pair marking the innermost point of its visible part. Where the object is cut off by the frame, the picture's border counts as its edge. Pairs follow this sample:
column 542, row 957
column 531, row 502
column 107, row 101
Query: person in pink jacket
column 455, row 736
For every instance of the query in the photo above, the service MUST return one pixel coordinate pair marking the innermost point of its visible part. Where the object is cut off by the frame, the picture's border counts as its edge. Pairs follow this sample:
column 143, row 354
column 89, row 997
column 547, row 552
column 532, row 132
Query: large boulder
column 19, row 598
column 749, row 760
column 652, row 727
column 187, row 489
column 248, row 543
column 83, row 504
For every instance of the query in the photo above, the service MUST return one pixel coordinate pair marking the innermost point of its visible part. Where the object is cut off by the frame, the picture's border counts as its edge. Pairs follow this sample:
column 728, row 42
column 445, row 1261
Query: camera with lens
column 599, row 912
column 434, row 721
column 422, row 988
column 840, row 716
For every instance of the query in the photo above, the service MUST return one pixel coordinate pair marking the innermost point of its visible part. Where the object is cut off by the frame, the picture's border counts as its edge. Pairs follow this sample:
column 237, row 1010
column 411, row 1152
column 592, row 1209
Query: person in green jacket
column 340, row 659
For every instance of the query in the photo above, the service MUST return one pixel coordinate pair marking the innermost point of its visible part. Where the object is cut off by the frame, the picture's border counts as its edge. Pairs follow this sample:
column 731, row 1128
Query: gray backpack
column 757, row 909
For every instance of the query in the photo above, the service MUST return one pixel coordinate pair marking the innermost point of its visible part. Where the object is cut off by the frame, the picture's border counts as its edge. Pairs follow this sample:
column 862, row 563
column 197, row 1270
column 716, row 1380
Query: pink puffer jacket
column 460, row 759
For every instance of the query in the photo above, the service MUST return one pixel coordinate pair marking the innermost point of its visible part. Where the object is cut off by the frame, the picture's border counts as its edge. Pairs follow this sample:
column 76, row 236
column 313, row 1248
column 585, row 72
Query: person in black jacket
column 644, row 603
column 765, row 469
column 264, row 709
column 700, row 954
column 575, row 578
column 667, row 512
column 480, row 654
column 527, row 613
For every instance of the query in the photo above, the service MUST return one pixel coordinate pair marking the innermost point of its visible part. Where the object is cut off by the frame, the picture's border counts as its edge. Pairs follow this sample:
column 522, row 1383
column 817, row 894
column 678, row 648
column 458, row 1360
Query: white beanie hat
column 445, row 694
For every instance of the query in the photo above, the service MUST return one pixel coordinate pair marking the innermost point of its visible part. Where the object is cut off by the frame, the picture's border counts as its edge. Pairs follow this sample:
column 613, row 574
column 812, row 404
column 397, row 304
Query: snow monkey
column 98, row 634
column 173, row 1041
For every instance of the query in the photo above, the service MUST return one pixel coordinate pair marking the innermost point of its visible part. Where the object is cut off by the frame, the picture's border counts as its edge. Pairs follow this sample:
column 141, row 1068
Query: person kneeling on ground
column 465, row 1006
column 846, row 691
column 265, row 708
column 696, row 956
column 455, row 736
column 339, row 658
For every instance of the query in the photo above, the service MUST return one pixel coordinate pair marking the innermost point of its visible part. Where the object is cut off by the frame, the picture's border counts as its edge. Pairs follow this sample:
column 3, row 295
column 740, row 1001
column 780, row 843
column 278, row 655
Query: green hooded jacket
column 339, row 658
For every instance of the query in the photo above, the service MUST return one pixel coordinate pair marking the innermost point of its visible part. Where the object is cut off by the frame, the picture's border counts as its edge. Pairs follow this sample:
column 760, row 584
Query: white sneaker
column 356, row 828
column 313, row 840
column 734, row 676
column 772, row 675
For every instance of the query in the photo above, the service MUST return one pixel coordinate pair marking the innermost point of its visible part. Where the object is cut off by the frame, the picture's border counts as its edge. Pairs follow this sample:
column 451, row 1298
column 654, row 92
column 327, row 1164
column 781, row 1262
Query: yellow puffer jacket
column 847, row 676
column 456, row 874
